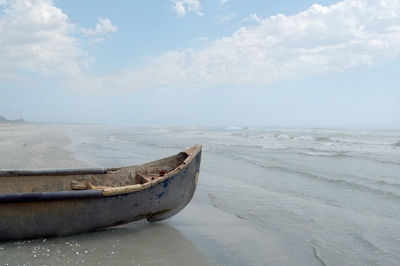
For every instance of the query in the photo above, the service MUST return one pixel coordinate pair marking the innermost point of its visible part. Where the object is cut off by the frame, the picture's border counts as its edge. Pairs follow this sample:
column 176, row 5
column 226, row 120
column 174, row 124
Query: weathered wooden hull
column 36, row 217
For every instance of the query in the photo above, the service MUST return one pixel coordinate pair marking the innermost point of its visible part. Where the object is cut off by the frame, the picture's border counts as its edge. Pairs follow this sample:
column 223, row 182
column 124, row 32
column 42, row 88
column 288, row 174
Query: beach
column 264, row 197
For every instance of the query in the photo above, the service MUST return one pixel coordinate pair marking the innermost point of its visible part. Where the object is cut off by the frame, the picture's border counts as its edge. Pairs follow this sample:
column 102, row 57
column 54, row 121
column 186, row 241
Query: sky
column 253, row 63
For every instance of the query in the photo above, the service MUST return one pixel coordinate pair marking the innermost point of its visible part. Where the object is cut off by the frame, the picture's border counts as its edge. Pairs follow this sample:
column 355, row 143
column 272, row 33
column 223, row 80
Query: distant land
column 5, row 120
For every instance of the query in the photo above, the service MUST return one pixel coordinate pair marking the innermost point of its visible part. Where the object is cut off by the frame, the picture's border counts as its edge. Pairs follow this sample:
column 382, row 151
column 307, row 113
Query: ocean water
column 298, row 197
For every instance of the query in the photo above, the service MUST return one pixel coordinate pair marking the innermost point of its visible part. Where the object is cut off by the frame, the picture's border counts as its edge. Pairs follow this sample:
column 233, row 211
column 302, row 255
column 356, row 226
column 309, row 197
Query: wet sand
column 26, row 146
column 134, row 244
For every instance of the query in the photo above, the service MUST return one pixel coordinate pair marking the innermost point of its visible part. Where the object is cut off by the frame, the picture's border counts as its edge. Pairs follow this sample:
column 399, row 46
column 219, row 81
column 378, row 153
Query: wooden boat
column 45, row 203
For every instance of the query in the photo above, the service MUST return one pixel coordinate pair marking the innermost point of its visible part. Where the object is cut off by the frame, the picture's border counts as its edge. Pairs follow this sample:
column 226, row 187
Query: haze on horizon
column 308, row 63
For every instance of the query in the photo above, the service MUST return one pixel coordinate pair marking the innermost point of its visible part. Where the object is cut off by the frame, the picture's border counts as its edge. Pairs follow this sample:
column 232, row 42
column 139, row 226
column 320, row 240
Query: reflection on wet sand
column 133, row 244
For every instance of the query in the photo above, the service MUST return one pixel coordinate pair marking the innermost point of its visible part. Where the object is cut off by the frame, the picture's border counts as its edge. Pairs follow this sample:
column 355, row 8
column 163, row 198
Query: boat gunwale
column 55, row 172
column 94, row 192
column 191, row 152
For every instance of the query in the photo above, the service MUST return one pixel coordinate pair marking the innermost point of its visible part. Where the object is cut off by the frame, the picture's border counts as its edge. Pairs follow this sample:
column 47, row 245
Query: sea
column 269, row 196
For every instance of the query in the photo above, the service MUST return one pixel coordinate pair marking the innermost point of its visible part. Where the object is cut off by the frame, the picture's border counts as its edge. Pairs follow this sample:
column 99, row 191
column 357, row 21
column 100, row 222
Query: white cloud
column 179, row 9
column 321, row 39
column 223, row 1
column 183, row 7
column 37, row 36
column 255, row 18
column 102, row 30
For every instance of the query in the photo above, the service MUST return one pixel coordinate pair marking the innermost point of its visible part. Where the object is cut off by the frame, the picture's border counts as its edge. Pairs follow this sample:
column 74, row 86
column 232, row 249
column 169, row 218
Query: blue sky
column 256, row 63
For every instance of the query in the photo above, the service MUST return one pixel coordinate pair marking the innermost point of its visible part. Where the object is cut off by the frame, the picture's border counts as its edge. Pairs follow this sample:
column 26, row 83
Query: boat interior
column 25, row 181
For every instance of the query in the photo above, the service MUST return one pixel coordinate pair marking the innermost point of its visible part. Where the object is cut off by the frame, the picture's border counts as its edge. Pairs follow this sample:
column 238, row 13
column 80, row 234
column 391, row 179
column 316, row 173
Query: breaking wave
column 356, row 141
column 386, row 183
column 321, row 178
column 324, row 153
column 234, row 128
column 161, row 130
column 118, row 140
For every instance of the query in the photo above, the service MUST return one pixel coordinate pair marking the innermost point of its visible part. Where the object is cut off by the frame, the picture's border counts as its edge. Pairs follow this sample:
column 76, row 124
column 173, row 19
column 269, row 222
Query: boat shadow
column 136, row 243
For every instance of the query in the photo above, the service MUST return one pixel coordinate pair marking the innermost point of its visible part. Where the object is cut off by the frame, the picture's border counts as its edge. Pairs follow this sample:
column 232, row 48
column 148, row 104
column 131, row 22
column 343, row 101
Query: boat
column 57, row 202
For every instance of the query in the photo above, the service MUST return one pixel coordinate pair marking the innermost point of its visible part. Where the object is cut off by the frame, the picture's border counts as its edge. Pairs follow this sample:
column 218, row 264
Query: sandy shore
column 25, row 146
column 135, row 244
column 201, row 234
column 140, row 243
